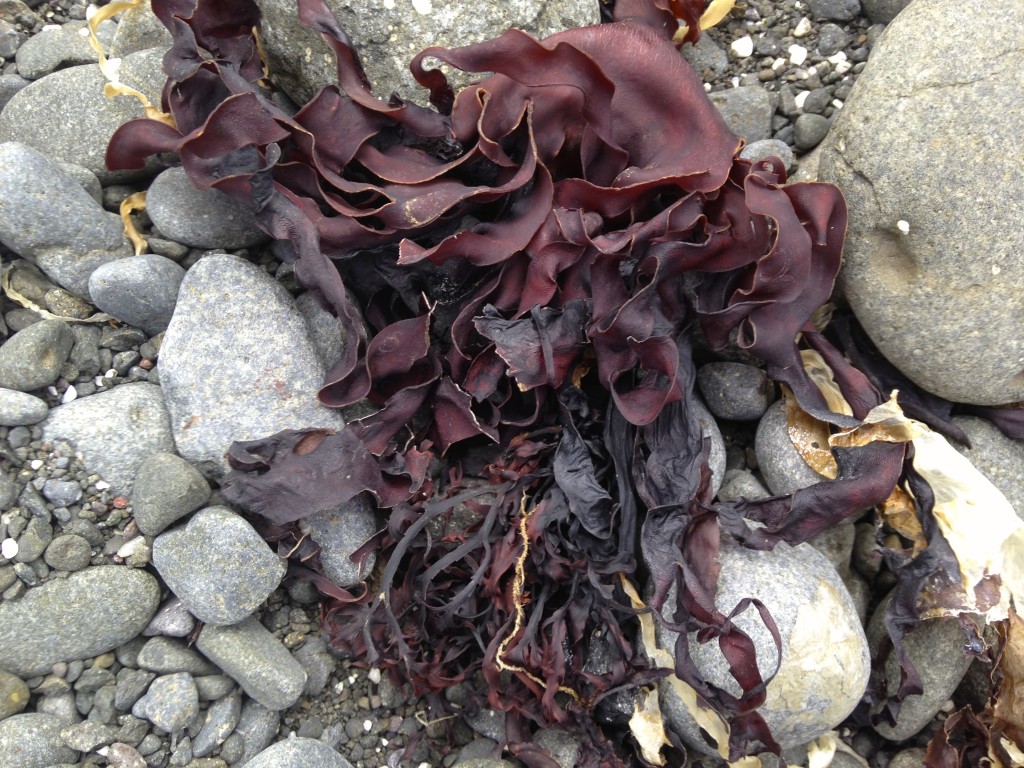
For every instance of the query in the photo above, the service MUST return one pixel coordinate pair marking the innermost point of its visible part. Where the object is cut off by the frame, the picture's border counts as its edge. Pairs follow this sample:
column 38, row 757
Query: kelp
column 517, row 272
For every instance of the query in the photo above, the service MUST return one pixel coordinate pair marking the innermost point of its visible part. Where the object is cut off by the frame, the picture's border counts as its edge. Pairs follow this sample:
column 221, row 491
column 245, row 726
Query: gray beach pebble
column 735, row 391
column 998, row 457
column 54, row 48
column 298, row 753
column 172, row 620
column 33, row 740
column 171, row 703
column 32, row 358
column 257, row 727
column 747, row 110
column 781, row 464
column 221, row 719
column 341, row 532
column 18, row 409
column 166, row 656
column 138, row 290
column 166, row 489
column 68, row 552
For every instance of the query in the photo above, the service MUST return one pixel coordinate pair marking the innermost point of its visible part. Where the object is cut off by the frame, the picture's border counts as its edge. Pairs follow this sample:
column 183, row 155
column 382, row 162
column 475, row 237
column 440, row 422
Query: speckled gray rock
column 759, row 150
column 171, row 703
column 825, row 664
column 257, row 727
column 318, row 662
column 13, row 694
column 62, row 493
column 32, row 358
column 341, row 532
column 834, row 10
column 88, row 735
column 10, row 85
column 389, row 36
column 114, row 431
column 33, row 740
column 563, row 746
column 883, row 11
column 138, row 290
column 325, row 330
column 935, row 648
column 68, row 552
column 222, row 381
column 256, row 660
column 66, row 115
column 707, row 57
column 91, row 612
column 172, row 620
column 747, row 111
column 166, row 656
column 166, row 489
column 810, row 130
column 781, row 464
column 735, row 391
column 139, row 29
column 945, row 316
column 54, row 48
column 221, row 719
column 298, row 753
column 998, row 457
column 201, row 218
column 19, row 408
column 217, row 564
column 709, row 429
column 131, row 685
column 741, row 484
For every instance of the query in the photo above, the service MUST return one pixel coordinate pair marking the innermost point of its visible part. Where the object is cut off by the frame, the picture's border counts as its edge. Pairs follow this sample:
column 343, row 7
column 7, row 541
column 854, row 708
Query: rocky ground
column 114, row 538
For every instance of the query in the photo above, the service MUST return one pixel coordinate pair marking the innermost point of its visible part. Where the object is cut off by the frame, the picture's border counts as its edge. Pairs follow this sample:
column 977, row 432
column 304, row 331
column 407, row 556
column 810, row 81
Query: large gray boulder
column 388, row 37
column 923, row 152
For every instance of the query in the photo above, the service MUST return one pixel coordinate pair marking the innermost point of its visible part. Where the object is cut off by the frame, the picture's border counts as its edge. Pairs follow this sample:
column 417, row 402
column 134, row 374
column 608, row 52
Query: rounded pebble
column 20, row 408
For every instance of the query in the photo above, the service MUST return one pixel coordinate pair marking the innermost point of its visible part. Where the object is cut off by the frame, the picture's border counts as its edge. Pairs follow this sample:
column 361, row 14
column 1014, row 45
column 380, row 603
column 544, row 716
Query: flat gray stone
column 13, row 694
column 32, row 358
column 88, row 735
column 298, row 753
column 221, row 719
column 256, row 660
column 222, row 380
column 139, row 29
column 759, row 150
column 90, row 612
column 166, row 489
column 325, row 330
column 747, row 110
column 171, row 703
column 781, row 465
column 172, row 620
column 68, row 552
column 709, row 430
column 810, row 130
column 735, row 391
column 257, row 727
column 19, row 409
column 883, row 11
column 33, row 740
column 66, row 116
column 341, row 532
column 114, row 431
column 834, row 10
column 741, row 484
column 388, row 38
column 138, row 290
column 825, row 663
column 166, row 656
column 58, row 47
column 996, row 456
column 218, row 566
column 943, row 300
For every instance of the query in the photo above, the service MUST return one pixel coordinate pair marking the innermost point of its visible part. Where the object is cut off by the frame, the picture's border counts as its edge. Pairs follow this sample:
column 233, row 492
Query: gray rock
column 836, row 543
column 86, row 179
column 709, row 430
column 60, row 705
column 90, row 612
column 944, row 316
column 562, row 745
column 935, row 648
column 883, row 11
column 62, row 493
column 707, row 57
column 172, row 620
column 88, row 735
column 455, row 23
column 138, row 290
column 19, row 408
column 122, row 755
column 998, row 457
column 341, row 532
column 131, row 685
column 257, row 727
column 114, row 431
column 201, row 218
column 166, row 489
column 137, row 30
column 256, row 660
column 85, row 355
column 166, row 656
column 831, row 39
column 68, row 552
column 221, row 719
column 810, row 131
column 66, row 115
column 483, row 762
column 213, row 687
column 171, row 703
column 747, row 111
column 217, row 564
column 298, row 753
column 318, row 663
column 32, row 358
column 834, row 10
column 33, row 541
column 817, row 101
column 13, row 694
column 222, row 381
column 825, row 663
column 741, row 484
column 781, row 464
column 325, row 330
column 33, row 741
column 54, row 48
column 9, row 85
column 759, row 150
column 735, row 391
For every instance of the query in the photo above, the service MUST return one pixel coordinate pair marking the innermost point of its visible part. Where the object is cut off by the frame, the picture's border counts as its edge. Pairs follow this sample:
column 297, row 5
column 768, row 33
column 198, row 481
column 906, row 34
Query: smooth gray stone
column 10, row 85
column 221, row 719
column 88, row 735
column 32, row 358
column 138, row 290
column 781, row 464
column 298, row 753
column 66, row 116
column 996, row 456
column 172, row 620
column 883, row 11
column 68, row 552
column 707, row 57
column 218, row 566
column 33, row 541
column 222, row 380
column 166, row 489
column 62, row 493
column 741, row 484
column 171, row 703
column 200, row 218
column 759, row 150
column 33, row 740
column 318, row 662
column 131, row 685
column 91, row 612
column 139, row 29
column 166, row 656
column 341, row 532
column 325, row 330
column 944, row 301
column 58, row 47
column 257, row 727
column 19, row 409
column 834, row 10
column 836, row 543
column 563, row 746
column 810, row 131
column 213, row 687
column 747, row 110
column 825, row 663
column 256, row 660
column 709, row 429
column 13, row 694
column 935, row 648
column 456, row 23
column 85, row 178
column 735, row 391
column 114, row 431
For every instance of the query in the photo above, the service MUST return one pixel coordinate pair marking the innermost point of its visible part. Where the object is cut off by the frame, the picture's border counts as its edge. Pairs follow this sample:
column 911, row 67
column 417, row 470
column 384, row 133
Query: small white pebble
column 351, row 679
column 837, row 103
column 374, row 675
column 797, row 54
column 52, row 391
column 50, row 27
column 779, row 64
column 102, row 751
column 83, row 32
column 743, row 47
column 129, row 548
column 101, row 485
column 423, row 765
column 383, row 741
column 9, row 549
column 835, row 58
column 996, row 270
column 367, row 725
column 110, row 374
column 735, row 82
column 36, row 464
column 903, row 226
column 800, row 98
column 707, row 87
column 69, row 394
column 803, row 27
column 843, row 67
